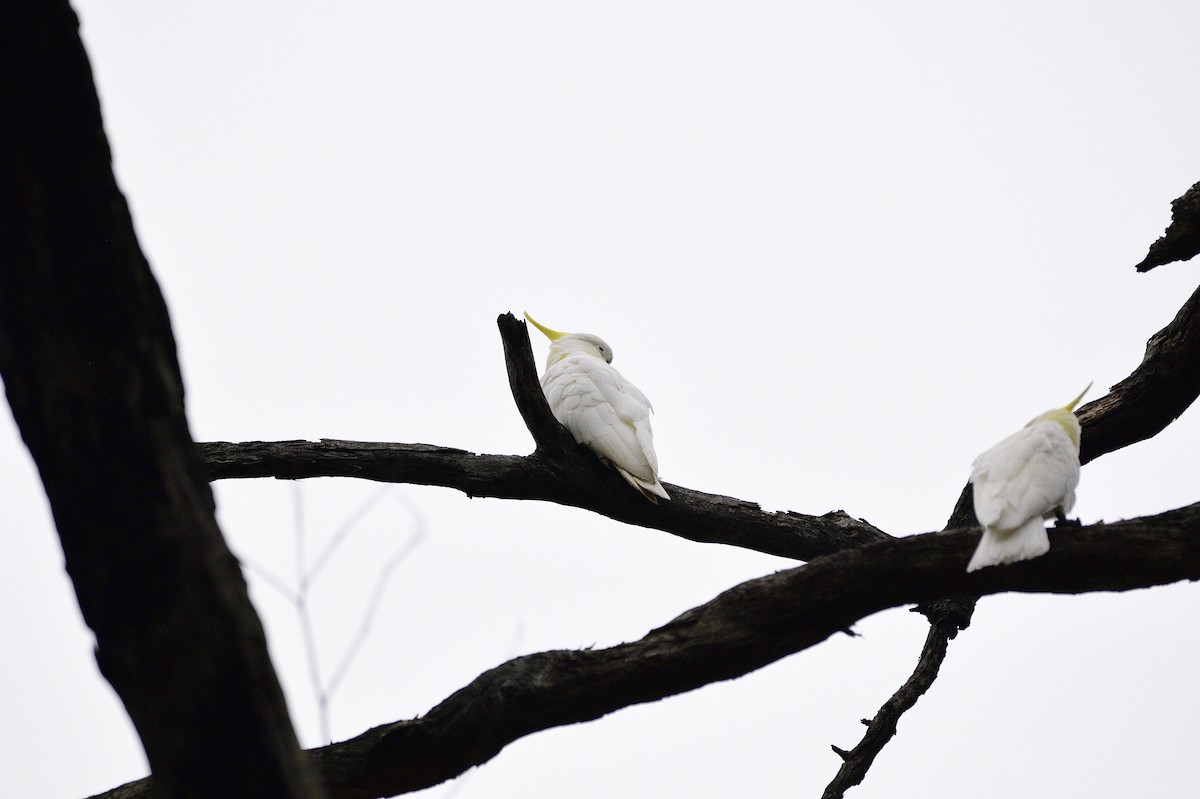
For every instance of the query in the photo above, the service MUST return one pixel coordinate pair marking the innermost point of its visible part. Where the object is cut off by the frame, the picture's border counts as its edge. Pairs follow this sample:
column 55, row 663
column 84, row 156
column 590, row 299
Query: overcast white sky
column 843, row 247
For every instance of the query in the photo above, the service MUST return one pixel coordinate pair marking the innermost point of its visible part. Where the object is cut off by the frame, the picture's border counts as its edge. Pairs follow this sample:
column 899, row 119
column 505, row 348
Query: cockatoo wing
column 632, row 408
column 1025, row 476
column 605, row 412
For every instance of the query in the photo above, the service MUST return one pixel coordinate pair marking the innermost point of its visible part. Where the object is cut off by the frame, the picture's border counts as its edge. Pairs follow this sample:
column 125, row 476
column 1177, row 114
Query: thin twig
column 372, row 608
column 344, row 530
column 307, row 633
column 267, row 576
column 882, row 727
column 306, row 578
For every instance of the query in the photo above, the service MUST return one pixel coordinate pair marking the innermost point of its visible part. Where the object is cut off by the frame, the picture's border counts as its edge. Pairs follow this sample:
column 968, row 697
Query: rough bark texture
column 1181, row 240
column 1143, row 404
column 577, row 479
column 89, row 366
column 1161, row 388
column 559, row 470
column 743, row 629
column 90, row 370
column 1165, row 384
column 882, row 727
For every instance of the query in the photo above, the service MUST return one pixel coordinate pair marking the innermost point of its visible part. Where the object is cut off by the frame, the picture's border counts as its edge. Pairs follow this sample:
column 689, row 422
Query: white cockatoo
column 1027, row 477
column 602, row 409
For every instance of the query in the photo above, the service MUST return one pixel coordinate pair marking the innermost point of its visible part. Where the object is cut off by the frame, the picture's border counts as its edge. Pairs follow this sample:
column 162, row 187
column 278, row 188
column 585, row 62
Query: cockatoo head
column 1065, row 416
column 564, row 344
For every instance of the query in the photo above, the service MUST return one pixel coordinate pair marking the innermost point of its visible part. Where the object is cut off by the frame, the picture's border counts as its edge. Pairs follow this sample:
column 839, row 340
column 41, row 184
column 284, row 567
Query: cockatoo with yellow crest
column 1027, row 477
column 600, row 408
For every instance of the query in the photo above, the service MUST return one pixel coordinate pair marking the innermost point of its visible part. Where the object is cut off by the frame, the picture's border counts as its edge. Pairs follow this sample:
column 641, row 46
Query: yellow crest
column 1070, row 406
column 553, row 335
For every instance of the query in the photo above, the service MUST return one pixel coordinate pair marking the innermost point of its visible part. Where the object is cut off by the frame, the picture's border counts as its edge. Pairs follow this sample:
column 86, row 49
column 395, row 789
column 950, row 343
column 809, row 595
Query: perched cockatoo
column 1027, row 477
column 602, row 409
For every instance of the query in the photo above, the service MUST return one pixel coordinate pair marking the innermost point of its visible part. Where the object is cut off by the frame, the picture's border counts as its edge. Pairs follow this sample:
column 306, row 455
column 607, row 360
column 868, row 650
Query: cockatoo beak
column 550, row 334
column 1070, row 406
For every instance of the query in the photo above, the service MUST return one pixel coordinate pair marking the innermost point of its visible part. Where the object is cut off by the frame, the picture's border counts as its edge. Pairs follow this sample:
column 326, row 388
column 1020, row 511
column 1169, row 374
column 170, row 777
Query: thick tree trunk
column 90, row 370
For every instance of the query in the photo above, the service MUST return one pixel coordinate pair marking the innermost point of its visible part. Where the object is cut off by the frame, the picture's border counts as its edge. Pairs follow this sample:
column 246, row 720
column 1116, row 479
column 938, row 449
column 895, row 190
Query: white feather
column 1027, row 477
column 602, row 410
column 1000, row 546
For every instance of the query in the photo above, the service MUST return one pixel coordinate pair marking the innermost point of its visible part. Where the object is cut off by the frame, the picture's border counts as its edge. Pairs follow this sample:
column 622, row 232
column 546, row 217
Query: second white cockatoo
column 1026, row 478
column 600, row 408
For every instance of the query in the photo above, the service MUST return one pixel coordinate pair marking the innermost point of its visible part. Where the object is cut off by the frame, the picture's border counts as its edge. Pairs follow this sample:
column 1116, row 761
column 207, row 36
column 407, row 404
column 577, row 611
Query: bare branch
column 90, row 370
column 583, row 483
column 1139, row 407
column 1181, row 241
column 741, row 630
column 882, row 727
column 306, row 577
column 382, row 579
column 343, row 532
column 1166, row 383
column 1157, row 392
column 550, row 437
column 558, row 471
column 1161, row 388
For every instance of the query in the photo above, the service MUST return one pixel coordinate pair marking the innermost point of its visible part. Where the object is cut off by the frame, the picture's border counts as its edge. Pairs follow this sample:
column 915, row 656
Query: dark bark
column 882, row 727
column 1155, row 394
column 1164, row 385
column 743, row 629
column 559, row 470
column 577, row 479
column 90, row 370
column 1161, row 388
column 551, row 438
column 1181, row 241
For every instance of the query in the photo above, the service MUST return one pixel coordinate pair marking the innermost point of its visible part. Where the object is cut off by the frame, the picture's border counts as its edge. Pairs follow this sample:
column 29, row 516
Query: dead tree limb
column 1181, row 241
column 90, row 370
column 1148, row 400
column 741, row 630
column 559, row 470
column 694, row 515
column 1161, row 388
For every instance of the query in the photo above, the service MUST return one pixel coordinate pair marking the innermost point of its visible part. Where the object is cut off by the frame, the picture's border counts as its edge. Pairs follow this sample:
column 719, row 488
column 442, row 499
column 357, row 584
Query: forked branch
column 1161, row 388
column 558, row 471
column 741, row 630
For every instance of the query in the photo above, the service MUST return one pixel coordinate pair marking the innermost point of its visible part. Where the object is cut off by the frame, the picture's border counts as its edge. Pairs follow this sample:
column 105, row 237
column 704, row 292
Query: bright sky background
column 843, row 247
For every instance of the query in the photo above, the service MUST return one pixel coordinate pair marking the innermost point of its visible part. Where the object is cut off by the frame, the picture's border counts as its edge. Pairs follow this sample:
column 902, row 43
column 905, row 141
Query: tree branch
column 741, row 630
column 694, row 515
column 551, row 438
column 882, row 728
column 90, row 371
column 1161, row 388
column 1155, row 393
column 558, row 471
column 1181, row 241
